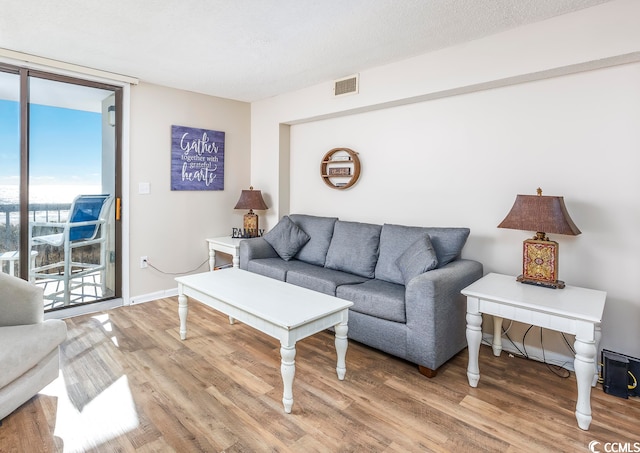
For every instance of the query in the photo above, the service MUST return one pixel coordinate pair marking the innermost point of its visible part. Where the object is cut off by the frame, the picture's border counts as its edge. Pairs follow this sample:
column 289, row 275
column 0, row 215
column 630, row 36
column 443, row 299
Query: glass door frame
column 24, row 74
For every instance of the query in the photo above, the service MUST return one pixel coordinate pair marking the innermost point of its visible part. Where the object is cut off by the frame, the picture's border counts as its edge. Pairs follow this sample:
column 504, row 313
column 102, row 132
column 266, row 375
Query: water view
column 40, row 194
column 47, row 193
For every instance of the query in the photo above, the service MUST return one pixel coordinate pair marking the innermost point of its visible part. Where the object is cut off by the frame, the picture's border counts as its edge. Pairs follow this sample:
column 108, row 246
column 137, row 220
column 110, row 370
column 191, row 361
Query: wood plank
column 221, row 390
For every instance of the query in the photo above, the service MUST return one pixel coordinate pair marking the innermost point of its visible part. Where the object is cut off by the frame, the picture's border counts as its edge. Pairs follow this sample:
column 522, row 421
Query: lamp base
column 558, row 284
column 250, row 225
column 540, row 262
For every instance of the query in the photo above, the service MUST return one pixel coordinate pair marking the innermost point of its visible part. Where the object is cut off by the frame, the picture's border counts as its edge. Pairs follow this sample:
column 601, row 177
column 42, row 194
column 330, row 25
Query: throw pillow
column 286, row 238
column 419, row 258
column 394, row 240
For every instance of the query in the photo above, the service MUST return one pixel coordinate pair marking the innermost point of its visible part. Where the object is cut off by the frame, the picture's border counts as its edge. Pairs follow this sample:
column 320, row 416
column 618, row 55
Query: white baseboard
column 78, row 310
column 153, row 296
column 533, row 352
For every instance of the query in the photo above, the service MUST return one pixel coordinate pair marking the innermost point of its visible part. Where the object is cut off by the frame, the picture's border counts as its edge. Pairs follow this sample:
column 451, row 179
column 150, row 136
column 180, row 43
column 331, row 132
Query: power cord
column 573, row 351
column 522, row 354
column 558, row 370
column 176, row 273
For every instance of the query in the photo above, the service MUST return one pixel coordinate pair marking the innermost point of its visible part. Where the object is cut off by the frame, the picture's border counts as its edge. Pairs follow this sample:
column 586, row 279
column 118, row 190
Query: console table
column 574, row 310
column 224, row 244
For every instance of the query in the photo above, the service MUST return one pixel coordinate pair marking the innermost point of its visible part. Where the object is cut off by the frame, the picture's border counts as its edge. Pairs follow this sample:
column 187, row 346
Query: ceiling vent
column 348, row 85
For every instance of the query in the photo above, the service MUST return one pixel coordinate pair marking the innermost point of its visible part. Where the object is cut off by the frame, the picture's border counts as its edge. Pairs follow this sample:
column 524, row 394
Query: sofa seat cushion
column 321, row 279
column 286, row 238
column 376, row 298
column 354, row 248
column 320, row 231
column 276, row 267
column 23, row 347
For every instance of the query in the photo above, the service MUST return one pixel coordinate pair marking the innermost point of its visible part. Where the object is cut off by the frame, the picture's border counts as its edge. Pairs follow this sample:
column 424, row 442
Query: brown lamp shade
column 251, row 199
column 541, row 214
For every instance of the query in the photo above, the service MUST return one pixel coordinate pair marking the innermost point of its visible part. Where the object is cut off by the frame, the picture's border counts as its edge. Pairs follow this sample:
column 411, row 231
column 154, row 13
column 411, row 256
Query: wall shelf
column 336, row 162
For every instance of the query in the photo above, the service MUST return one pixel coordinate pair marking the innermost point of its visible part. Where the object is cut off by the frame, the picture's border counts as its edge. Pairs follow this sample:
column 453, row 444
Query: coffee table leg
column 341, row 349
column 288, row 370
column 182, row 314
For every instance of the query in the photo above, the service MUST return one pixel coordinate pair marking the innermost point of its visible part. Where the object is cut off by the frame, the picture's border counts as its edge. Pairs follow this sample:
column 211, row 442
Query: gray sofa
column 30, row 346
column 404, row 281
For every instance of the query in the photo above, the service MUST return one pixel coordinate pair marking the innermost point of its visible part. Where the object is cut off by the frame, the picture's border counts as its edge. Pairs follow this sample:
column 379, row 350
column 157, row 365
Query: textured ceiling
column 253, row 49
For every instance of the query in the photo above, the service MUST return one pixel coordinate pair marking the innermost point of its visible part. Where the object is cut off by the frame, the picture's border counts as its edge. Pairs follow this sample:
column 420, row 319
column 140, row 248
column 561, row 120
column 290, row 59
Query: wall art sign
column 197, row 159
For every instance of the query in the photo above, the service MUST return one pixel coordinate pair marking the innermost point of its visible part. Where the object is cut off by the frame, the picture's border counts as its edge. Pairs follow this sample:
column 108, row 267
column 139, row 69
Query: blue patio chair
column 86, row 225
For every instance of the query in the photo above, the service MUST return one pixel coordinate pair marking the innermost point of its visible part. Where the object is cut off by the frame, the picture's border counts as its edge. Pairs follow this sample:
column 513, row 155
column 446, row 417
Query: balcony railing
column 38, row 212
column 46, row 212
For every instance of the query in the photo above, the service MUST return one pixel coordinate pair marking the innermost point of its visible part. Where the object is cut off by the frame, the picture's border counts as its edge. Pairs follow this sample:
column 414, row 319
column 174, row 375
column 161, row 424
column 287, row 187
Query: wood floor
column 128, row 383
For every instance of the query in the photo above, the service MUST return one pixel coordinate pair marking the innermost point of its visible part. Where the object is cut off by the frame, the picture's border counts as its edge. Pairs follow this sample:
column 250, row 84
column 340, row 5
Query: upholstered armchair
column 29, row 345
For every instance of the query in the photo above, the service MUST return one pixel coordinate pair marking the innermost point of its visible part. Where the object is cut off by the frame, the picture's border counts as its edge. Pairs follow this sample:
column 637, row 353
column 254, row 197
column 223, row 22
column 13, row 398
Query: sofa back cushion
column 354, row 248
column 320, row 231
column 448, row 242
column 396, row 239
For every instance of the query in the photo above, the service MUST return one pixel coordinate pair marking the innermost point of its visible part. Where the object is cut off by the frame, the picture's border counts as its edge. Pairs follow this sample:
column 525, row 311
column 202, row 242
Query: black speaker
column 620, row 374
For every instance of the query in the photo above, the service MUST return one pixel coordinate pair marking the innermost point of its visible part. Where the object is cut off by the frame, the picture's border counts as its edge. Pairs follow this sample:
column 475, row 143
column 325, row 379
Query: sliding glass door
column 59, row 187
column 10, row 172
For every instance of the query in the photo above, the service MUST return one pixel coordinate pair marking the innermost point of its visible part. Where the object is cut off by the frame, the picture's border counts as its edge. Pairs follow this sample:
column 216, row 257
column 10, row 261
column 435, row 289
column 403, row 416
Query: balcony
column 85, row 290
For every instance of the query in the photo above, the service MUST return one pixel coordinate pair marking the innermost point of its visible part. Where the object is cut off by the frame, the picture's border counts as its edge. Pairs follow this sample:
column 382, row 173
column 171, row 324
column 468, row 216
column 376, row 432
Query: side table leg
column 236, row 259
column 584, row 365
column 341, row 349
column 212, row 259
column 288, row 370
column 474, row 337
column 497, row 336
column 598, row 337
column 182, row 314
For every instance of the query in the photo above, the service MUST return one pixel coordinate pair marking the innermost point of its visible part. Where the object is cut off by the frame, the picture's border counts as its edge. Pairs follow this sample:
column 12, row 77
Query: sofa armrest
column 21, row 302
column 436, row 312
column 253, row 249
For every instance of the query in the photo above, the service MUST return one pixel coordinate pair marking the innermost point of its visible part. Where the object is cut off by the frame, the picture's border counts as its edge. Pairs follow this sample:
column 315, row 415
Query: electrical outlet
column 143, row 262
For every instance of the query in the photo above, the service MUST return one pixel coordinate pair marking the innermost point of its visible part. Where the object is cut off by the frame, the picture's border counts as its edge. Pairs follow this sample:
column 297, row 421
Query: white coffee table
column 281, row 310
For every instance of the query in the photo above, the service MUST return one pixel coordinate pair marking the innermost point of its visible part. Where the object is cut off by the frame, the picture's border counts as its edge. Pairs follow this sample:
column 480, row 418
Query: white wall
column 450, row 138
column 170, row 227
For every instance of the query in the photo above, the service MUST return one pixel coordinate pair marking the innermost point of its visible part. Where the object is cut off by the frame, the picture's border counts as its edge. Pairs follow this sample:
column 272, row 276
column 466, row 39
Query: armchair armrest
column 21, row 302
column 48, row 224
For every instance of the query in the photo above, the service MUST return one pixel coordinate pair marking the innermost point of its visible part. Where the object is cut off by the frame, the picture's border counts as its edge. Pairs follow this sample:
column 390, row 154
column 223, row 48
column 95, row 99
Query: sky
column 65, row 145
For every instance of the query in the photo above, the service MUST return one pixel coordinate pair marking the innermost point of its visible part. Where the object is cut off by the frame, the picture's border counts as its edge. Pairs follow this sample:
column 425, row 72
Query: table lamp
column 251, row 199
column 542, row 214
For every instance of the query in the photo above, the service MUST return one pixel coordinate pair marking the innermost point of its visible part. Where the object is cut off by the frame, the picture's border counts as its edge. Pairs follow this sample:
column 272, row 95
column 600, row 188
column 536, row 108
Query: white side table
column 225, row 244
column 577, row 311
